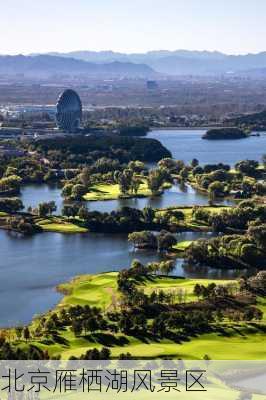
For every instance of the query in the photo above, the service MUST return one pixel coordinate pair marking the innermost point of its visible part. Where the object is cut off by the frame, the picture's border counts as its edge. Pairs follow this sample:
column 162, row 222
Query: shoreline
column 178, row 128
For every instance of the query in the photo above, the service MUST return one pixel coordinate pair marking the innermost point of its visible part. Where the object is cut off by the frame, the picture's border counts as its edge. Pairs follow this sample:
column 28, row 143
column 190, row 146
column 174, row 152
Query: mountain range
column 110, row 64
column 43, row 66
column 179, row 62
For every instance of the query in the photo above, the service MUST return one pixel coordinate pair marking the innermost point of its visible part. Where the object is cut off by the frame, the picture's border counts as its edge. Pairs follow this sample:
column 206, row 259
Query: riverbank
column 230, row 341
column 180, row 128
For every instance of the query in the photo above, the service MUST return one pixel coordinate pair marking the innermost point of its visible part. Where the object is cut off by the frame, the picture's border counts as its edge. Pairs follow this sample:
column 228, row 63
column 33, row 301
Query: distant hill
column 47, row 65
column 255, row 121
column 179, row 62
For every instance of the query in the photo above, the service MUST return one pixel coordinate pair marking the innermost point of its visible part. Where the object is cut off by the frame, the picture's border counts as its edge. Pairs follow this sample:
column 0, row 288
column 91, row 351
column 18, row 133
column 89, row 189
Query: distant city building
column 151, row 85
column 69, row 111
column 6, row 132
column 8, row 151
column 25, row 111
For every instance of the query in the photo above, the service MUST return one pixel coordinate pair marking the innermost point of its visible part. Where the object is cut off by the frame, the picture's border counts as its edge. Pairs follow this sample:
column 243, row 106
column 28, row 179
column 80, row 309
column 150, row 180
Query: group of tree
column 125, row 220
column 10, row 185
column 137, row 130
column 156, row 178
column 10, row 205
column 78, row 150
column 255, row 284
column 104, row 170
column 230, row 251
column 146, row 239
column 23, row 224
column 236, row 219
column 219, row 181
column 44, row 209
column 30, row 169
column 8, row 351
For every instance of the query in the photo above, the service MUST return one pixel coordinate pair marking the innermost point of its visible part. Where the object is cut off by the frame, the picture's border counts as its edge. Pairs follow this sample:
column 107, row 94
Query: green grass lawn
column 60, row 225
column 238, row 343
column 112, row 192
column 232, row 341
column 94, row 290
column 182, row 246
column 100, row 290
column 106, row 191
column 174, row 285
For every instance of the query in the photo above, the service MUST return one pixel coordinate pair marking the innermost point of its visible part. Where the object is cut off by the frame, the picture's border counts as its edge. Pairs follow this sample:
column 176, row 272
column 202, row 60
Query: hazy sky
column 231, row 26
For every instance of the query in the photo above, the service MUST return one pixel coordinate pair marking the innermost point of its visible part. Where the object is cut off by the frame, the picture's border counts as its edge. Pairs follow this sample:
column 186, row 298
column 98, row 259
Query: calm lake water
column 30, row 268
column 187, row 144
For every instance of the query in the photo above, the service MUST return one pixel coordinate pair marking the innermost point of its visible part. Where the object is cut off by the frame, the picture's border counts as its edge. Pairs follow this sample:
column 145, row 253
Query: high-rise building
column 69, row 111
column 152, row 85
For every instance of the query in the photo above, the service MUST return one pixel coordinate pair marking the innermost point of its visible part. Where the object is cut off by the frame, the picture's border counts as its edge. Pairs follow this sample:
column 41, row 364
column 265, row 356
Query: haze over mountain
column 179, row 62
column 109, row 64
column 47, row 65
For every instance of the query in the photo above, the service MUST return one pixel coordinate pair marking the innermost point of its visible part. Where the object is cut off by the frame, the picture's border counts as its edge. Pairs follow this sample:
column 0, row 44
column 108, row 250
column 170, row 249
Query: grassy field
column 239, row 341
column 60, row 225
column 233, row 343
column 100, row 290
column 94, row 290
column 175, row 285
column 112, row 192
column 182, row 246
column 238, row 344
column 103, row 191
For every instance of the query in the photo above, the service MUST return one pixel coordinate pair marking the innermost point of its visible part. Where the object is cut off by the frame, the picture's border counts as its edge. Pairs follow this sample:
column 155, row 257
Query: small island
column 225, row 134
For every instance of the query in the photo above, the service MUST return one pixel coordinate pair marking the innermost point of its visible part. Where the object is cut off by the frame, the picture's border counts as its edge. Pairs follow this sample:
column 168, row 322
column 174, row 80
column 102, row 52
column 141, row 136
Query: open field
column 106, row 191
column 94, row 290
column 175, row 285
column 182, row 246
column 60, row 225
column 112, row 192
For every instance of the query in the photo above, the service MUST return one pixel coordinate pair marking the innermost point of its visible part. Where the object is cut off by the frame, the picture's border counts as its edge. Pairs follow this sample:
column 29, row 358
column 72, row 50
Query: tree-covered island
column 225, row 134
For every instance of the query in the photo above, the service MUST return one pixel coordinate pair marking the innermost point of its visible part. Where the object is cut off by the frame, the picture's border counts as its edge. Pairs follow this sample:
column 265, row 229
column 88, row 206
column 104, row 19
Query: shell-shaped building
column 69, row 111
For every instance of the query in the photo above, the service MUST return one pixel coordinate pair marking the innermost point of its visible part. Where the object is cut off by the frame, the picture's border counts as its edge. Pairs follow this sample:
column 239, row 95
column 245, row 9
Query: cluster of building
column 67, row 114
column 9, row 151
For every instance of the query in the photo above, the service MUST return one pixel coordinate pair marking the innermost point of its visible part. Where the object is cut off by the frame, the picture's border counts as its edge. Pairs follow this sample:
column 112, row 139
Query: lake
column 187, row 144
column 31, row 267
